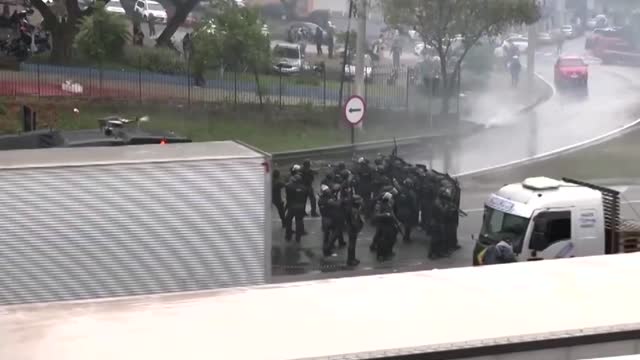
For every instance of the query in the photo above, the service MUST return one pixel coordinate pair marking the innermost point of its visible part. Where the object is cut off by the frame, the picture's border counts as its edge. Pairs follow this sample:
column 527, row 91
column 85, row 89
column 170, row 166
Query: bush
column 158, row 60
column 102, row 36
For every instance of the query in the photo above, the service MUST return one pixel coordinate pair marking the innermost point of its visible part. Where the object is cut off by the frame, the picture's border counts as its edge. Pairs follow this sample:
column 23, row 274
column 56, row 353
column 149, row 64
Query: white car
column 115, row 7
column 144, row 8
column 522, row 43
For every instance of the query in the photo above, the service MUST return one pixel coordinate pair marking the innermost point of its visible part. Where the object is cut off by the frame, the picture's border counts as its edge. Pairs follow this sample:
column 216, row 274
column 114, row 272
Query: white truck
column 546, row 218
column 101, row 222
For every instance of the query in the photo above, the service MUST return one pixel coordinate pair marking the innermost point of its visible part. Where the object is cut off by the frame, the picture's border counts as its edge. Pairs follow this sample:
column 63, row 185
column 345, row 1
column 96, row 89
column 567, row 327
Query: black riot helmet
column 306, row 164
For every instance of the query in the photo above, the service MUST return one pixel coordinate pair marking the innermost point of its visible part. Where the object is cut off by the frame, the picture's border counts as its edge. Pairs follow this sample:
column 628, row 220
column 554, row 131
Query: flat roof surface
column 124, row 154
column 433, row 310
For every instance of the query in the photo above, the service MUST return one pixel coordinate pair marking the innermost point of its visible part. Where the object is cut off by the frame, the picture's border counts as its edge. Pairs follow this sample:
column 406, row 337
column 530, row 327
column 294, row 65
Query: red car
column 571, row 71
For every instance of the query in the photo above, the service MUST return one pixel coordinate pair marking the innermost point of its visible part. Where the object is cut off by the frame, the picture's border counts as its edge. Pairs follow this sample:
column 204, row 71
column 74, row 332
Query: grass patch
column 616, row 158
column 273, row 130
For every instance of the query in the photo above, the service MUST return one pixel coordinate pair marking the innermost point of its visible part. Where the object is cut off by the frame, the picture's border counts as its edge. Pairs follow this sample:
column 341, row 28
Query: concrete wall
column 582, row 352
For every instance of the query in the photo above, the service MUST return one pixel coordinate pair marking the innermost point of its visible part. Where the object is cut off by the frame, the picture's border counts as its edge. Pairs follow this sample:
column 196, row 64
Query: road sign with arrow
column 354, row 110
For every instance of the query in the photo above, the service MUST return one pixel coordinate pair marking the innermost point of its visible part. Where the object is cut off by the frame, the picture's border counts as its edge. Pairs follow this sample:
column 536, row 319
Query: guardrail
column 345, row 152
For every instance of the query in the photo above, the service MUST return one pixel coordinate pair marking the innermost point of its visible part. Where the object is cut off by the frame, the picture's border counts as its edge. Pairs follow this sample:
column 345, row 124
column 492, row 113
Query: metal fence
column 383, row 90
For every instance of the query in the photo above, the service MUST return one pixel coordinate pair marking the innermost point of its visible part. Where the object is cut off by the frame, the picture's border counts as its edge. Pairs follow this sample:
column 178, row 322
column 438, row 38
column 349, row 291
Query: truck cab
column 545, row 218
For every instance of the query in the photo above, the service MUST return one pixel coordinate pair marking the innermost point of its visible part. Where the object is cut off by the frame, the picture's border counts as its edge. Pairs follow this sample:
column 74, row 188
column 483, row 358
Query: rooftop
column 427, row 311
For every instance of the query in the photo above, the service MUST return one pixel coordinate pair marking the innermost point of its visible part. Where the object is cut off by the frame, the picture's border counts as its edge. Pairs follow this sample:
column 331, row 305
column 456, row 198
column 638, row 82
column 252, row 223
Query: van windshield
column 287, row 53
column 498, row 225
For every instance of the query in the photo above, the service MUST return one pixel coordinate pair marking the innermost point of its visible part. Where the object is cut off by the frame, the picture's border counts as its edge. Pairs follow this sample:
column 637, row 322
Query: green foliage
column 440, row 21
column 155, row 59
column 453, row 27
column 233, row 38
column 102, row 35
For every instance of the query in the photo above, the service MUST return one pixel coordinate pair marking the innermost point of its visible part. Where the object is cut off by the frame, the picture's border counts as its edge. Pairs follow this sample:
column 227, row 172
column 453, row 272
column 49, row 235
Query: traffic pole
column 361, row 49
column 531, row 54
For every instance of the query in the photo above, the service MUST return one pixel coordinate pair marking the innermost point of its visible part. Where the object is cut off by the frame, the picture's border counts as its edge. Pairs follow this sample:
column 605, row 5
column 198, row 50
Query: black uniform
column 354, row 226
column 364, row 186
column 327, row 228
column 296, row 200
column 276, row 195
column 308, row 175
column 438, row 246
column 406, row 209
column 337, row 214
column 386, row 226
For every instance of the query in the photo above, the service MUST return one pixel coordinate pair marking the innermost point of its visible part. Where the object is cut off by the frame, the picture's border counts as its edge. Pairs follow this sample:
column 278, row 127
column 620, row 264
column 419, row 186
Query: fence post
column 235, row 88
column 324, row 86
column 140, row 78
column 38, row 76
column 100, row 79
column 188, row 60
column 407, row 89
column 280, row 90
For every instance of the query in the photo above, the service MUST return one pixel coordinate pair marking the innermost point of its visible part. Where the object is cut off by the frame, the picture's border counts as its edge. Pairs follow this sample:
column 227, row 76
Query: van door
column 552, row 235
column 588, row 232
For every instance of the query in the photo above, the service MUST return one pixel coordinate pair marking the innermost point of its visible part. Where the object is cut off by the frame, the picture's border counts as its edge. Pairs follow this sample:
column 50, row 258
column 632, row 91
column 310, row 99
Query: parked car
column 115, row 7
column 544, row 38
column 146, row 7
column 288, row 59
column 598, row 35
column 569, row 31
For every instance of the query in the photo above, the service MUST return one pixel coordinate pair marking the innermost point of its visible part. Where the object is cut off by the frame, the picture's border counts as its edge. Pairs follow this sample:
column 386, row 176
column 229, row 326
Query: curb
column 554, row 153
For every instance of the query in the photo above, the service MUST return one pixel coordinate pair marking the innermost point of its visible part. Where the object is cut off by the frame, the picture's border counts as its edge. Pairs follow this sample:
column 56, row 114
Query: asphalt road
column 307, row 259
column 569, row 117
column 564, row 120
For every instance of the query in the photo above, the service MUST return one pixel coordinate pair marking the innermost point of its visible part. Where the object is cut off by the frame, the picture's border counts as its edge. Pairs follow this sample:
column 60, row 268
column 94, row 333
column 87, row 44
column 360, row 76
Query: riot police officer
column 296, row 194
column 325, row 211
column 438, row 246
column 337, row 213
column 354, row 226
column 308, row 175
column 276, row 195
column 386, row 226
column 406, row 208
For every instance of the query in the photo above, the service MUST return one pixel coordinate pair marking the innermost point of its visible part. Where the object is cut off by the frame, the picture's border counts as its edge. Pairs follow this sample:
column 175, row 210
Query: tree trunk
column 444, row 88
column 181, row 13
column 62, row 38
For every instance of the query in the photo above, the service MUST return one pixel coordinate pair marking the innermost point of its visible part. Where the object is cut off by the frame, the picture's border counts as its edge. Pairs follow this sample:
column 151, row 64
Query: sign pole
column 355, row 110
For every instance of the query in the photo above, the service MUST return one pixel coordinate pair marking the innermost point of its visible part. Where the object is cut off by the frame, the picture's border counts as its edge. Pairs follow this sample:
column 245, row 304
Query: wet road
column 564, row 120
column 568, row 118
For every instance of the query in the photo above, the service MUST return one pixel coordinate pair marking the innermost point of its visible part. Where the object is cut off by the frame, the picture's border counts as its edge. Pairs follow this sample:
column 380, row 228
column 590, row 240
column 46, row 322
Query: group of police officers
column 394, row 196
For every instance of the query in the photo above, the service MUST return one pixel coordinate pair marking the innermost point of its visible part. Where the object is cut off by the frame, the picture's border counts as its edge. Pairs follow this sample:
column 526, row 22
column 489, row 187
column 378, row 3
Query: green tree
column 102, row 36
column 234, row 40
column 453, row 27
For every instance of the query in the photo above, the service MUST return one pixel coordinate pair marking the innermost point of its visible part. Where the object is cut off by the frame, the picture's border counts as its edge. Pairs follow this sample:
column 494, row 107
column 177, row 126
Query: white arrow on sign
column 354, row 110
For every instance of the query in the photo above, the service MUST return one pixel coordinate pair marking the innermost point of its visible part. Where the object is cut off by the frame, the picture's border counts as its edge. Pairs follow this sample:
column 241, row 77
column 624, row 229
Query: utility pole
column 531, row 54
column 561, row 8
column 361, row 47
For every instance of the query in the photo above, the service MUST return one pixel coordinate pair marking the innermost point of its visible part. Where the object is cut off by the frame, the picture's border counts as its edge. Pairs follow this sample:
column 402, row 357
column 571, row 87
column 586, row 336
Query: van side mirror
column 538, row 241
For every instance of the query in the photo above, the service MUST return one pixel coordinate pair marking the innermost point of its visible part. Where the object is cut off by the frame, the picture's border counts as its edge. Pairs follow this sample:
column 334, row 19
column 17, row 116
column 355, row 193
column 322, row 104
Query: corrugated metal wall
column 123, row 230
